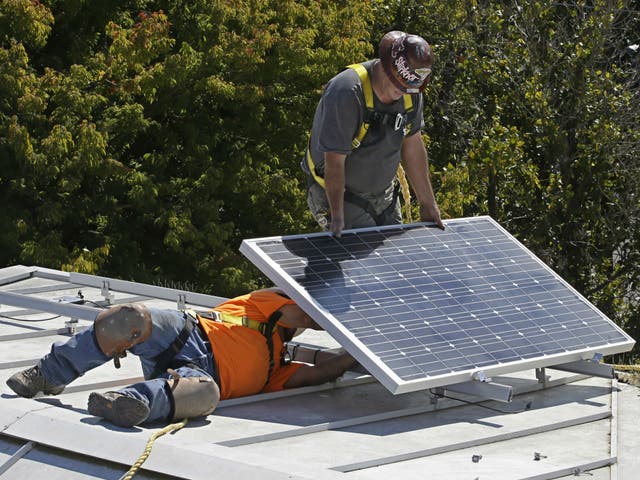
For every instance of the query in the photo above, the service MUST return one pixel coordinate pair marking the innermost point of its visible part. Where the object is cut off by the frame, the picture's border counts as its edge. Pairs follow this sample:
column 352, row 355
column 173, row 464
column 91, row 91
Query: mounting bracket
column 480, row 386
column 593, row 367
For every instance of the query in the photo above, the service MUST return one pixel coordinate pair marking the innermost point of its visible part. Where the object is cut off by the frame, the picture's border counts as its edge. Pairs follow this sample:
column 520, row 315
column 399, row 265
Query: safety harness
column 265, row 328
column 166, row 359
column 371, row 116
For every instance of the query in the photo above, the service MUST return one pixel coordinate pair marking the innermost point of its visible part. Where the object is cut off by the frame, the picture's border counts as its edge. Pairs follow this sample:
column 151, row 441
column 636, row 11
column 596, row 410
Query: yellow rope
column 147, row 451
column 406, row 193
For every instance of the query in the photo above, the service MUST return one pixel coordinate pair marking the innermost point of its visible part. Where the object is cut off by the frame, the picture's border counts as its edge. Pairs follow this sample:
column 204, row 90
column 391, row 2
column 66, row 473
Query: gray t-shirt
column 370, row 168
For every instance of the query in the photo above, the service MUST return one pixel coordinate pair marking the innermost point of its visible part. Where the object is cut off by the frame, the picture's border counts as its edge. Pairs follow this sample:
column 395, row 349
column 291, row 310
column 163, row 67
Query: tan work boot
column 117, row 408
column 28, row 383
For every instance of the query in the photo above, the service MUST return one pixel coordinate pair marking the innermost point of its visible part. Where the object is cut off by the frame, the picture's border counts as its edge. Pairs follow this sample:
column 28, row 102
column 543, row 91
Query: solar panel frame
column 454, row 292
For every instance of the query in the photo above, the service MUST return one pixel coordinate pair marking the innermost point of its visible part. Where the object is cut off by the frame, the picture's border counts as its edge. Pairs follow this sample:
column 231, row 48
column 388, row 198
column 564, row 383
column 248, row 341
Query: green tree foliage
column 533, row 119
column 162, row 133
column 145, row 139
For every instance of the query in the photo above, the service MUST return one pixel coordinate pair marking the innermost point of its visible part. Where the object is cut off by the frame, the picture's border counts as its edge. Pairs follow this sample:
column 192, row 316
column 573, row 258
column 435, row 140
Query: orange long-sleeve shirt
column 242, row 353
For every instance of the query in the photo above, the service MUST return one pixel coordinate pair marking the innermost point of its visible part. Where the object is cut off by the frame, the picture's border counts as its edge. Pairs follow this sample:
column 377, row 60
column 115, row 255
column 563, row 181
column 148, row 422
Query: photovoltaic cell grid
column 425, row 303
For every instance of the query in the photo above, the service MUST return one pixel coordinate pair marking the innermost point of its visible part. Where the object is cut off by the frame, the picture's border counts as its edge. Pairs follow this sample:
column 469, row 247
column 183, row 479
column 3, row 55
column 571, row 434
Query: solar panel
column 420, row 307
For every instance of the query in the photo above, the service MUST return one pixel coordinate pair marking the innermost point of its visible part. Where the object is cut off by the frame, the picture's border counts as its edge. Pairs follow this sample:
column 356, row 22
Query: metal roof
column 349, row 429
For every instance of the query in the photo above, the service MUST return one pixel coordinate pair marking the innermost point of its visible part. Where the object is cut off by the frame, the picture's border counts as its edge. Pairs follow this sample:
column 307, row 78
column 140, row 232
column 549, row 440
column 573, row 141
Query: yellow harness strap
column 267, row 329
column 312, row 168
column 368, row 100
column 227, row 318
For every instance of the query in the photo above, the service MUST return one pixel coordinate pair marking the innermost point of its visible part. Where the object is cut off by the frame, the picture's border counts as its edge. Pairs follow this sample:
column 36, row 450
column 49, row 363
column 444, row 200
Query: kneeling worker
column 189, row 360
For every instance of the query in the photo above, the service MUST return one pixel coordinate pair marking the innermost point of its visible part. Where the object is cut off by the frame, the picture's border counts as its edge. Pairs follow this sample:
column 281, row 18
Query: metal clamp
column 106, row 292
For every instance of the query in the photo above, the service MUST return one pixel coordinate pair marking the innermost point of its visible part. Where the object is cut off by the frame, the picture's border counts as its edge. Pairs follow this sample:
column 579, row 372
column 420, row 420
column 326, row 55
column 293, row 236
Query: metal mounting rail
column 105, row 284
column 22, row 451
column 43, row 305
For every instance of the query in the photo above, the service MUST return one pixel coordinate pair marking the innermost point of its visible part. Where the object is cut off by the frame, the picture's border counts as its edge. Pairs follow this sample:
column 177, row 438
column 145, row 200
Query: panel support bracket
column 481, row 386
column 541, row 376
column 593, row 367
column 106, row 292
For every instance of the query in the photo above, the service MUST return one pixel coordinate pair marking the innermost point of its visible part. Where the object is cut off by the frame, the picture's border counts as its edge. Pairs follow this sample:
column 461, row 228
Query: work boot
column 117, row 408
column 29, row 382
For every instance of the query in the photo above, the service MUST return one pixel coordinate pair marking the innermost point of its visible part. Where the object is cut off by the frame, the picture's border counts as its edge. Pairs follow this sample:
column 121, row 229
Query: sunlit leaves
column 151, row 137
column 134, row 48
column 26, row 21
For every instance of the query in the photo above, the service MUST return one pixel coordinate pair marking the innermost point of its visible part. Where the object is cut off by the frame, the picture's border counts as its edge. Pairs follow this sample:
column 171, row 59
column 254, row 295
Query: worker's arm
column 322, row 372
column 294, row 317
column 416, row 164
column 334, row 181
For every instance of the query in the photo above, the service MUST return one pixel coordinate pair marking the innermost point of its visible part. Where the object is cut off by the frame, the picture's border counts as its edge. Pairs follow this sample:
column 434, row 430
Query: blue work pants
column 69, row 360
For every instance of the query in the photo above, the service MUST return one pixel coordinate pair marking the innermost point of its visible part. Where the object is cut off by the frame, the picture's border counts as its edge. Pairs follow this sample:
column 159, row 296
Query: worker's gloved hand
column 337, row 224
column 431, row 213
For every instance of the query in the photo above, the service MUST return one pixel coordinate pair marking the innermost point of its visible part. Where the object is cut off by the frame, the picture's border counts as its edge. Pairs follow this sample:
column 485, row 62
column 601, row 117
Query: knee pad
column 120, row 328
column 193, row 396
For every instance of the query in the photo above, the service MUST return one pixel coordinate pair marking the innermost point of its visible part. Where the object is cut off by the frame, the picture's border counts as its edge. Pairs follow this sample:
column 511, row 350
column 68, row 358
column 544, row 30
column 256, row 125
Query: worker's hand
column 431, row 213
column 337, row 224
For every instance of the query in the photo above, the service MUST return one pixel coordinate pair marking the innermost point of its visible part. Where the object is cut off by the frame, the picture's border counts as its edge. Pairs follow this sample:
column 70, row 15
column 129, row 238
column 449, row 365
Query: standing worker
column 367, row 122
column 190, row 360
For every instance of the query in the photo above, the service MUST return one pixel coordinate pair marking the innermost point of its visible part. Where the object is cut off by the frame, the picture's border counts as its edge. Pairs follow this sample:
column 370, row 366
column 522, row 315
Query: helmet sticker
column 407, row 60
column 404, row 71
